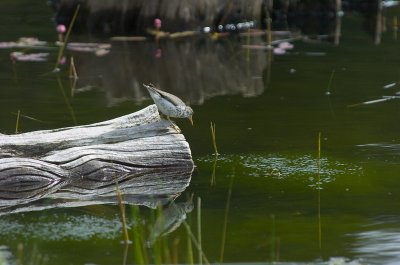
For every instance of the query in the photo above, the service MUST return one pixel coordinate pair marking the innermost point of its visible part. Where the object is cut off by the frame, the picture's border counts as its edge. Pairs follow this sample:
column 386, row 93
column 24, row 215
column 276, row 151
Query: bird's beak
column 191, row 120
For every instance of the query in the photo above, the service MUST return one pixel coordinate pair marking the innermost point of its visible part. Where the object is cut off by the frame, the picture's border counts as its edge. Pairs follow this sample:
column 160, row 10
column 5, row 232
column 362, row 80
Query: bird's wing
column 173, row 99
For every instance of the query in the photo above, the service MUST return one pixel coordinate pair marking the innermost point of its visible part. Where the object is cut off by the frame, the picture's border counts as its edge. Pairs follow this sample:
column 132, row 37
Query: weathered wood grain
column 79, row 165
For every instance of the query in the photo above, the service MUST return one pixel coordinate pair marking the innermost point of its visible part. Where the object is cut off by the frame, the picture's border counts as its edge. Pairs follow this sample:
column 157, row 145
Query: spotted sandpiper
column 170, row 105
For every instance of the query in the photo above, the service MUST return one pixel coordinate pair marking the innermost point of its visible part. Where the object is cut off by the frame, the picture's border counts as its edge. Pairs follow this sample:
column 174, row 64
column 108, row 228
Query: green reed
column 269, row 30
column 199, row 246
column 125, row 254
column 67, row 102
column 213, row 137
column 22, row 116
column 189, row 246
column 189, row 250
column 212, row 126
column 273, row 239
column 64, row 43
column 17, row 122
column 157, row 244
column 248, row 46
column 160, row 250
column 227, row 207
column 122, row 212
column 328, row 89
column 213, row 182
column 20, row 254
column 166, row 251
column 195, row 242
column 140, row 254
column 73, row 75
column 319, row 191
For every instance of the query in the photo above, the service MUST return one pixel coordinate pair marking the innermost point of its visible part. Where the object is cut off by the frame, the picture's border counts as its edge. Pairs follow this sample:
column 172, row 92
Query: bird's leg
column 174, row 126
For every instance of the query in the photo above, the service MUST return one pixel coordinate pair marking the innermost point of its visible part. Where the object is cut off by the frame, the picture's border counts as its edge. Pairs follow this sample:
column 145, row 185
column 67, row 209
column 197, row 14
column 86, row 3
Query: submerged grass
column 67, row 102
column 125, row 256
column 195, row 242
column 157, row 247
column 122, row 212
column 161, row 250
column 189, row 250
column 199, row 246
column 35, row 257
column 328, row 89
column 227, row 207
column 319, row 192
column 273, row 250
column 328, row 92
column 166, row 251
column 140, row 254
column 20, row 254
column 28, row 117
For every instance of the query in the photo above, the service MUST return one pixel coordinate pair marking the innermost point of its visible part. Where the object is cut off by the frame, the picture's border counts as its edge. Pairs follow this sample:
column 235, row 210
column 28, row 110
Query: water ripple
column 62, row 226
column 280, row 166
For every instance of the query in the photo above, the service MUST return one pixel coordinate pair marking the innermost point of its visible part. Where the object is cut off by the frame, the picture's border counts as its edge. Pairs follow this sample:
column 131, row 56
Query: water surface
column 268, row 110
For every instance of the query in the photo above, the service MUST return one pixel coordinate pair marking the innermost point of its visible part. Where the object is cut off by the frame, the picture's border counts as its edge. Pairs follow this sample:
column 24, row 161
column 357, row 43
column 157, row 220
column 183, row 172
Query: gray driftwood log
column 78, row 165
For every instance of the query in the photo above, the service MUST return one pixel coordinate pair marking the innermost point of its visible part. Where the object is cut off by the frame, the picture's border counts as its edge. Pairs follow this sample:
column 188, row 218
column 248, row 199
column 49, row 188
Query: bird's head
column 189, row 204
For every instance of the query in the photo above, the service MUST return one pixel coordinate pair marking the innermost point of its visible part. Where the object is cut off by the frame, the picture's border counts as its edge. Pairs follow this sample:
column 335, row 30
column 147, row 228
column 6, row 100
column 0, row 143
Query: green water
column 267, row 116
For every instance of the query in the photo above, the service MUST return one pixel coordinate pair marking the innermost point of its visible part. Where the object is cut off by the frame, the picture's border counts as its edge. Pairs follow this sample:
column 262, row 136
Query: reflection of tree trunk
column 338, row 25
column 177, row 15
column 193, row 69
column 82, row 162
column 269, row 67
column 338, row 5
column 338, row 30
column 269, row 4
column 378, row 29
column 124, row 11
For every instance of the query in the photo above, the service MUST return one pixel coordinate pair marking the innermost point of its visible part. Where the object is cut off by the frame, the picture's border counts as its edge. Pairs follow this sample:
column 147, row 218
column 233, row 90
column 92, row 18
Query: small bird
column 169, row 105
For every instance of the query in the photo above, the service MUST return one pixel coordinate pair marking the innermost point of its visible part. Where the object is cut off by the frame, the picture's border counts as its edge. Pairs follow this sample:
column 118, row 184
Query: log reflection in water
column 149, row 189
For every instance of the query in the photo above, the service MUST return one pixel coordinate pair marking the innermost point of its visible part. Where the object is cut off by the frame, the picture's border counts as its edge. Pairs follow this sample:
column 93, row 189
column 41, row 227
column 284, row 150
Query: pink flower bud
column 61, row 28
column 157, row 23
column 158, row 53
column 63, row 60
